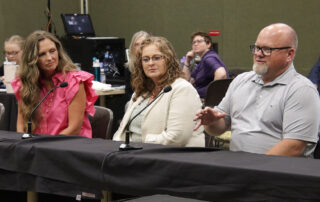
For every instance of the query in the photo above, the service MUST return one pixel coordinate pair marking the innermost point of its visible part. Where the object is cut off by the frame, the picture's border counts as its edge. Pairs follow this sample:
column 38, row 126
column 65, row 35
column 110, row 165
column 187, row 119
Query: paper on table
column 101, row 86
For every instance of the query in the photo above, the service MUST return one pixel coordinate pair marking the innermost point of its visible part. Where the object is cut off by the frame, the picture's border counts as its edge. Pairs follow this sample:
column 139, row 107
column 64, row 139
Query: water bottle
column 102, row 74
column 96, row 68
column 106, row 62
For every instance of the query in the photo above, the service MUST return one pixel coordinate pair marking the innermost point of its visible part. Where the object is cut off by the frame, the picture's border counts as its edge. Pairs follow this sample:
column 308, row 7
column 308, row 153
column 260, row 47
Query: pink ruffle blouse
column 54, row 109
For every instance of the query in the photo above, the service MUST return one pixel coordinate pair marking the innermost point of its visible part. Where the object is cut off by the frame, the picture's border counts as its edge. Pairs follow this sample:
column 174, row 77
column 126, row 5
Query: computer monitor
column 78, row 25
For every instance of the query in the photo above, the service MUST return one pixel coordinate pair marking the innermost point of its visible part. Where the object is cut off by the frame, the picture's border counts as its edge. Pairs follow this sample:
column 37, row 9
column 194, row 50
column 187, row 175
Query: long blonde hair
column 134, row 39
column 29, row 73
column 143, row 85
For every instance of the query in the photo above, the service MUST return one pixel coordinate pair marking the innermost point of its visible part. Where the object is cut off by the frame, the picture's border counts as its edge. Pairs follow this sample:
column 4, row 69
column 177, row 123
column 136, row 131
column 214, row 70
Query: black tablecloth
column 9, row 121
column 199, row 173
column 161, row 198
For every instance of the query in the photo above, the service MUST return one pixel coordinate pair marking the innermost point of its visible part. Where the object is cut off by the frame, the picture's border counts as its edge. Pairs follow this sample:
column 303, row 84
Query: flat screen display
column 78, row 24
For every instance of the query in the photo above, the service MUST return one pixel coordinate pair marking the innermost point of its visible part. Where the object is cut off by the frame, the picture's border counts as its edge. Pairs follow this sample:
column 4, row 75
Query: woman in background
column 168, row 119
column 45, row 65
column 136, row 40
column 12, row 51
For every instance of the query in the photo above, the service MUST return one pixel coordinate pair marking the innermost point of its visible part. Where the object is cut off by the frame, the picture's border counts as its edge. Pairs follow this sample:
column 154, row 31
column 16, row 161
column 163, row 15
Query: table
column 199, row 173
column 102, row 94
column 110, row 92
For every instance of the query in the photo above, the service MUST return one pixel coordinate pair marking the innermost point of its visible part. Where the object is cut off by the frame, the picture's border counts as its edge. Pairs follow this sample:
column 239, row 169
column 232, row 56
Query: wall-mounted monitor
column 78, row 25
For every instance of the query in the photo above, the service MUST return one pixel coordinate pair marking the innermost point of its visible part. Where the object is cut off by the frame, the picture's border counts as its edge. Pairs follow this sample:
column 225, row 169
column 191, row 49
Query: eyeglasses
column 11, row 53
column 155, row 58
column 265, row 50
column 197, row 41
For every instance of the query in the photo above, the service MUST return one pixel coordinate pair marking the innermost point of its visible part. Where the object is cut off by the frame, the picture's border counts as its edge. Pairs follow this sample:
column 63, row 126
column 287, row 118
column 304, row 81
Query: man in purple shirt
column 210, row 68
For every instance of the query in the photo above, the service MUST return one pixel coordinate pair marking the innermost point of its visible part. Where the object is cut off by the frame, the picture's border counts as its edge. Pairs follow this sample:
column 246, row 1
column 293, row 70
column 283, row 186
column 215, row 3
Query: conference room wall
column 239, row 22
column 24, row 16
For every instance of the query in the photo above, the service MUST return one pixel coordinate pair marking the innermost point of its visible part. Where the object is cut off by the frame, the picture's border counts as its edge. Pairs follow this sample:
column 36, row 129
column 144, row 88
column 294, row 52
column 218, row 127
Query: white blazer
column 169, row 119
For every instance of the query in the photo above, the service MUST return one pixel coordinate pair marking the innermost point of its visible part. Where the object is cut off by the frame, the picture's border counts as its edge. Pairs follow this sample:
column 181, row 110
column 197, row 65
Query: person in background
column 12, row 50
column 314, row 75
column 45, row 65
column 210, row 68
column 168, row 120
column 136, row 40
column 273, row 109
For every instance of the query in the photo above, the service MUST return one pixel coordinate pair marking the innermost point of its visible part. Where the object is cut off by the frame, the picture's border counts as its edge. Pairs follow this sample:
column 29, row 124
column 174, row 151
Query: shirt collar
column 207, row 53
column 282, row 79
column 57, row 79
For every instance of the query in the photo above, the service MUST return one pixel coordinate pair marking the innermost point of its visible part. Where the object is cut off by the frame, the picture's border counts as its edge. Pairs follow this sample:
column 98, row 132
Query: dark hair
column 206, row 37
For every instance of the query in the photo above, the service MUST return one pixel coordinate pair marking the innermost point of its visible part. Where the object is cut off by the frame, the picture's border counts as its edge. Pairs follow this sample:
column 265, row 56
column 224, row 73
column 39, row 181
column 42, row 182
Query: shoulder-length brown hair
column 143, row 85
column 29, row 72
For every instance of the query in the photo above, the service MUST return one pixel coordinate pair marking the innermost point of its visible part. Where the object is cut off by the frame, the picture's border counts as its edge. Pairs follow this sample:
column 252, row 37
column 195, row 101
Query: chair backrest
column 316, row 153
column 216, row 91
column 234, row 72
column 2, row 110
column 101, row 123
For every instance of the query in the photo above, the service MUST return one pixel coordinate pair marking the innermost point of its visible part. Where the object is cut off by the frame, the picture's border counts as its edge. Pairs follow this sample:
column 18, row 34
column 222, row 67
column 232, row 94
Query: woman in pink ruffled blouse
column 44, row 65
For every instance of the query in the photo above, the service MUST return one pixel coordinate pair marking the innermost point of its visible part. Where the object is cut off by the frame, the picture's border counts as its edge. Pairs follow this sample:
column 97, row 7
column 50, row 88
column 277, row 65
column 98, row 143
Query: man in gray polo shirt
column 273, row 109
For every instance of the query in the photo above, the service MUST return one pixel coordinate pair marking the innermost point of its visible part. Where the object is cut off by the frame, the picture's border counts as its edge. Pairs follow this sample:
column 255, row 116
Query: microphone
column 29, row 134
column 126, row 146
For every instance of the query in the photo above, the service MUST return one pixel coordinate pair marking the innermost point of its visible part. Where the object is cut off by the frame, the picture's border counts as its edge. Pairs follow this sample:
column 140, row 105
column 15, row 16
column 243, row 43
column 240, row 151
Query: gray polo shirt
column 261, row 114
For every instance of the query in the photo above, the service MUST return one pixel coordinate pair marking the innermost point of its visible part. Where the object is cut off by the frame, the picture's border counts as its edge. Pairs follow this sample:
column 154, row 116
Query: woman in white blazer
column 169, row 118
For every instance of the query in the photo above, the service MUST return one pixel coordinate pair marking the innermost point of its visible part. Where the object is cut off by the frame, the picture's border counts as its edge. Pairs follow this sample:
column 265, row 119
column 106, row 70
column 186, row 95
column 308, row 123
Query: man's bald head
column 282, row 34
column 280, row 43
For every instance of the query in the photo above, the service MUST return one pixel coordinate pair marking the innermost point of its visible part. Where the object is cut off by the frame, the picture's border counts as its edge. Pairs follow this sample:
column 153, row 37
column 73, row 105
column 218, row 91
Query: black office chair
column 101, row 123
column 215, row 93
column 316, row 153
column 2, row 110
column 233, row 73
